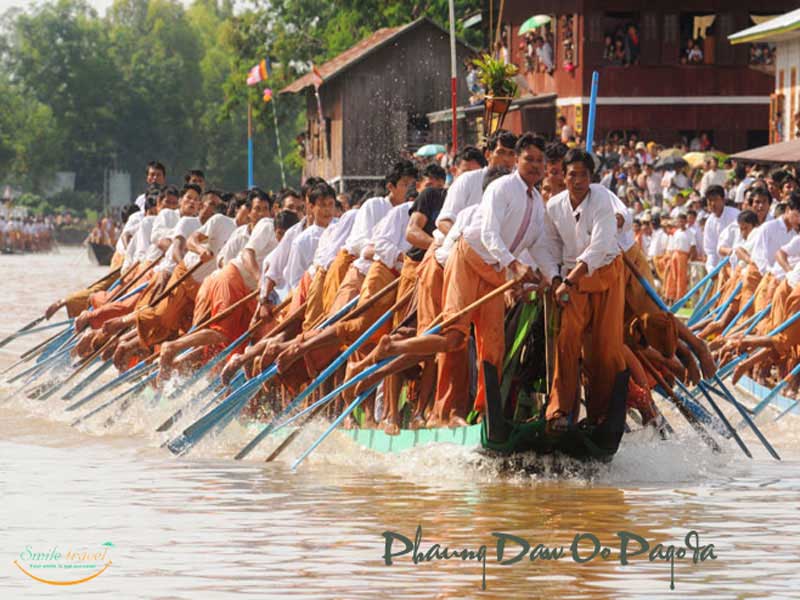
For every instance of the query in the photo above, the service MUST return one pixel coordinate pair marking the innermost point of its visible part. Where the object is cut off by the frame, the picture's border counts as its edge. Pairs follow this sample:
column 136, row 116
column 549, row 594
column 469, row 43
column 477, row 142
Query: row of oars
column 228, row 401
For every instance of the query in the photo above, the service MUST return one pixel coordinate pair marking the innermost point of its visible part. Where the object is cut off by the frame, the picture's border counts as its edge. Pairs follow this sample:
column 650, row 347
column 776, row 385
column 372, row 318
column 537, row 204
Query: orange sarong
column 173, row 315
column 466, row 279
column 595, row 307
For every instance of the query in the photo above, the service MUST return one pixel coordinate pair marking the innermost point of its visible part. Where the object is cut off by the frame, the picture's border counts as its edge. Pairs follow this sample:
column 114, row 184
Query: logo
column 72, row 566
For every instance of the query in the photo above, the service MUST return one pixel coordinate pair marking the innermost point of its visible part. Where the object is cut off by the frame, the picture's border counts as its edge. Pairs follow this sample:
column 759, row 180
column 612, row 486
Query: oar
column 31, row 330
column 724, row 419
column 773, row 393
column 701, row 311
column 747, row 418
column 133, row 389
column 237, row 399
column 738, row 316
column 126, row 376
column 361, row 376
column 707, row 278
column 117, row 296
column 21, row 331
column 702, row 299
column 29, row 354
column 327, row 372
column 690, row 417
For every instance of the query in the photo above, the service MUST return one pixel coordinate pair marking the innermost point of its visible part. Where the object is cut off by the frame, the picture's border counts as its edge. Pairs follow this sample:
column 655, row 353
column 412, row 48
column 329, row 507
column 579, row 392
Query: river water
column 205, row 526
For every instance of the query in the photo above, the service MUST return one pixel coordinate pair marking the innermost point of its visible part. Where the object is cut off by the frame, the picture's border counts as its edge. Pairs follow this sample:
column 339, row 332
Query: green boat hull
column 377, row 440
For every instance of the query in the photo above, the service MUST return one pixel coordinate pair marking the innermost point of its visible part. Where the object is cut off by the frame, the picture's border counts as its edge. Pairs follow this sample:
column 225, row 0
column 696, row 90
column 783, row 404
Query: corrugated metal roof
column 785, row 26
column 782, row 152
column 356, row 53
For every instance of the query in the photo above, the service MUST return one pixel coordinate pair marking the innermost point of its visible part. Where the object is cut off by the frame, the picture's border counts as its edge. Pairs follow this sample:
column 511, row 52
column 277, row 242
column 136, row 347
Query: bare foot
column 417, row 422
column 391, row 428
column 456, row 421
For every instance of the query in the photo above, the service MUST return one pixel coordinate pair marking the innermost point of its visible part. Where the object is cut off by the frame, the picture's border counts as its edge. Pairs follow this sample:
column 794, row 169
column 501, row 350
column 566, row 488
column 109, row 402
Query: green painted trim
column 377, row 440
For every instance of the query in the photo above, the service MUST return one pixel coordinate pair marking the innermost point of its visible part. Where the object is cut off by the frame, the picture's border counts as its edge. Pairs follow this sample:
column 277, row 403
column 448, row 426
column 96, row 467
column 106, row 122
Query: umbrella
column 670, row 152
column 532, row 23
column 430, row 150
column 670, row 163
column 698, row 159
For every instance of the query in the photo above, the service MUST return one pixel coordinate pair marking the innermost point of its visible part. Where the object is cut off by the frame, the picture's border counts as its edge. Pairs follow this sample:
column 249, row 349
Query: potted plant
column 497, row 78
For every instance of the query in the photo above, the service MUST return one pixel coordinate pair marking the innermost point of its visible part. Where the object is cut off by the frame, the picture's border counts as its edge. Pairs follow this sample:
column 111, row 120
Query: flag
column 258, row 73
column 316, row 76
column 267, row 94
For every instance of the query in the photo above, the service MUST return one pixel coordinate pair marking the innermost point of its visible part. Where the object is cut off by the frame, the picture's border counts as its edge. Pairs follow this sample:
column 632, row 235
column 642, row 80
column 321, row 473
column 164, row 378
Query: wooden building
column 780, row 36
column 373, row 99
column 667, row 70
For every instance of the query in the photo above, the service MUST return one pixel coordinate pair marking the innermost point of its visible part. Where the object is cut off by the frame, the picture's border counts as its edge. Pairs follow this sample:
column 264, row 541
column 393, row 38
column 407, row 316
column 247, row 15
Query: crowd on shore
column 26, row 234
column 520, row 214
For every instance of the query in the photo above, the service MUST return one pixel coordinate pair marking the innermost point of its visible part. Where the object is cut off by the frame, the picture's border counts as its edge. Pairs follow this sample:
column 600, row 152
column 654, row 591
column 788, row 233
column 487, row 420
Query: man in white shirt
column 720, row 216
column 155, row 174
column 506, row 225
column 467, row 189
column 585, row 264
column 712, row 176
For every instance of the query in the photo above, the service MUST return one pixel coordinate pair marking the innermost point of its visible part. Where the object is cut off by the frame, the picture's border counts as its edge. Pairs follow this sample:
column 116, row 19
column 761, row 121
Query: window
column 698, row 38
column 621, row 41
column 537, row 48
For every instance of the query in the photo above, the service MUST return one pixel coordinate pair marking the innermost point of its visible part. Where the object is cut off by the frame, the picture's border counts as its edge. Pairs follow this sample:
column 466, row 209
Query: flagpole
column 278, row 139
column 453, row 82
column 250, row 182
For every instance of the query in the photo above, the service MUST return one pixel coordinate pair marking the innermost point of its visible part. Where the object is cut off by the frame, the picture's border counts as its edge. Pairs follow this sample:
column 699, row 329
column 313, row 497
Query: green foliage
column 496, row 76
column 165, row 79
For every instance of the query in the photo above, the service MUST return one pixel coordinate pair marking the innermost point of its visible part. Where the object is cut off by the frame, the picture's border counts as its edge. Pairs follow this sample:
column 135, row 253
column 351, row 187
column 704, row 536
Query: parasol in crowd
column 430, row 150
column 697, row 160
column 532, row 23
column 670, row 152
column 669, row 163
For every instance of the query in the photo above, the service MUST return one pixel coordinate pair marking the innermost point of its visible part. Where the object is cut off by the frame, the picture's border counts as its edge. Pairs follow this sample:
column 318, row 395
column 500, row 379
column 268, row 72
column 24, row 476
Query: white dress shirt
column 658, row 243
column 498, row 224
column 275, row 268
column 368, row 216
column 586, row 234
column 390, row 236
column 466, row 190
column 217, row 230
column 714, row 226
column 768, row 238
column 262, row 240
column 333, row 239
column 301, row 254
column 185, row 227
column 464, row 218
column 234, row 244
column 163, row 225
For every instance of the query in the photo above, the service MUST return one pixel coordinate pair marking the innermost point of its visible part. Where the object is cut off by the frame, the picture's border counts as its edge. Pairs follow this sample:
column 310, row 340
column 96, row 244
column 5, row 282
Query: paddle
column 706, row 279
column 689, row 416
column 703, row 297
column 328, row 371
column 497, row 291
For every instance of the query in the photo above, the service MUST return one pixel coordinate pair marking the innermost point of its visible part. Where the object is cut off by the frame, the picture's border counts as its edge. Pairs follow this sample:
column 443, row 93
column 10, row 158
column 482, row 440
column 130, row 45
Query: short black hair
column 555, row 151
column 794, row 201
column 691, row 212
column 577, row 155
column 400, row 169
column 310, row 184
column 319, row 191
column 154, row 164
column 747, row 217
column 150, row 202
column 193, row 173
column 257, row 193
column 492, row 174
column 171, row 190
column 357, row 196
column 285, row 219
column 191, row 186
column 285, row 193
column 502, row 137
column 759, row 190
column 778, row 175
column 222, row 207
column 715, row 190
column 526, row 140
column 434, row 171
column 128, row 210
column 469, row 153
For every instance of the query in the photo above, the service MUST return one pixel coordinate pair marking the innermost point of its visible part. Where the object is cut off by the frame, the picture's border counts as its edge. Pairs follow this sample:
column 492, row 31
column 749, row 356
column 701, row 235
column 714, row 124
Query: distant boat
column 100, row 253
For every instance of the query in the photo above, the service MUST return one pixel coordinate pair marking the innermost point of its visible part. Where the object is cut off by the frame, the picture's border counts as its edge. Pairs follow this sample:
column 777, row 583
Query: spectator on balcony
column 631, row 45
column 544, row 54
column 694, row 54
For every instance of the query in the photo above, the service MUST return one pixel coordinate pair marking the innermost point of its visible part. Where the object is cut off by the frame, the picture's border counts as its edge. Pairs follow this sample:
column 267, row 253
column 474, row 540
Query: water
column 205, row 526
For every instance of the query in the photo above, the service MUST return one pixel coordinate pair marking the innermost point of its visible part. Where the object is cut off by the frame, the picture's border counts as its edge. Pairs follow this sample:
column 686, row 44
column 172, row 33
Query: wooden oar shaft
column 168, row 290
column 124, row 288
column 370, row 302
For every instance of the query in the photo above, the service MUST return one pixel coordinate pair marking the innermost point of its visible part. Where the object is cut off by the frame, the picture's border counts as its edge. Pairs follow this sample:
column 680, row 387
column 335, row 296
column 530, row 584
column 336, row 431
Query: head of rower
column 260, row 206
column 715, row 199
column 747, row 220
column 469, row 159
column 322, row 200
column 196, row 177
column 433, row 176
column 289, row 199
column 285, row 220
column 760, row 202
column 156, row 173
column 189, row 203
column 500, row 151
column 211, row 203
column 578, row 168
column 169, row 197
column 309, row 185
column 402, row 176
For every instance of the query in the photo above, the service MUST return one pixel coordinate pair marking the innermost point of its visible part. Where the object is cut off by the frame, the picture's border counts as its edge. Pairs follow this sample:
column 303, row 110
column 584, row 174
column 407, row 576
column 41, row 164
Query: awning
column 782, row 152
column 782, row 27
